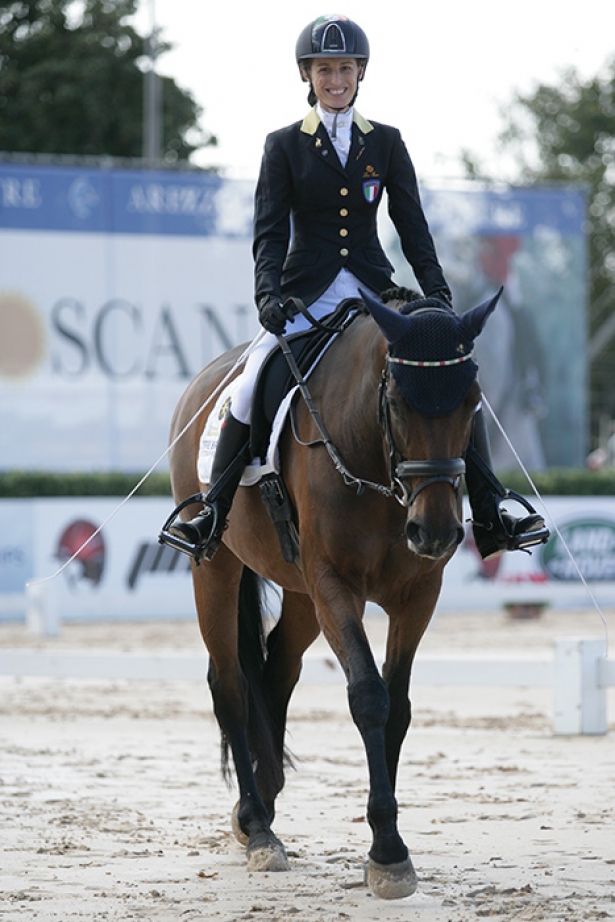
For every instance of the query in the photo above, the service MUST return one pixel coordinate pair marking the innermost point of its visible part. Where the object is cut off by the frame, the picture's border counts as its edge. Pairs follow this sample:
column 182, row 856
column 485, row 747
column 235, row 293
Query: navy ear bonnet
column 430, row 349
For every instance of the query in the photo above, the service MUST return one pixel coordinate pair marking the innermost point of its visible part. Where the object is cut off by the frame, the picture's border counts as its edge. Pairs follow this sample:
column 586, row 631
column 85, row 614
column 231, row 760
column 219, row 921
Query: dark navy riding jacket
column 314, row 217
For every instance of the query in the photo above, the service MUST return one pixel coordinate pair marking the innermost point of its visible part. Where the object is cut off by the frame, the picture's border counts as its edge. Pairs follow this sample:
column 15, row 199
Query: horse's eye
column 394, row 405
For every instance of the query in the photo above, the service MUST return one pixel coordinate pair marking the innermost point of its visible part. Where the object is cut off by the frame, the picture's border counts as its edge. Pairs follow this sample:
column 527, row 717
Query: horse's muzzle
column 436, row 532
column 434, row 543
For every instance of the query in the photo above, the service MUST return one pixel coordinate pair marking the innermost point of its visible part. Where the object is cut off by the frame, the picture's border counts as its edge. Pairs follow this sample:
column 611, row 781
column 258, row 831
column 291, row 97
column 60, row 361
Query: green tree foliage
column 565, row 133
column 71, row 82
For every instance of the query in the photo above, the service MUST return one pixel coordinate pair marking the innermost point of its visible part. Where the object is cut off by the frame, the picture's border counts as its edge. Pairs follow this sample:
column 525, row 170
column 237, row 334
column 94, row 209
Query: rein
column 342, row 309
column 348, row 478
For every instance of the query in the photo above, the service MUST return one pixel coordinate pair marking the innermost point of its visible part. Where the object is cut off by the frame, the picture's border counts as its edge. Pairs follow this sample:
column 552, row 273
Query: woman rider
column 327, row 175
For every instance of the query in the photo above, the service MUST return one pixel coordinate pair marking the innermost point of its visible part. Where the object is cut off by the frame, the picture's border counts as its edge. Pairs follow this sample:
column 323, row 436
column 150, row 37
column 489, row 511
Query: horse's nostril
column 413, row 531
column 428, row 543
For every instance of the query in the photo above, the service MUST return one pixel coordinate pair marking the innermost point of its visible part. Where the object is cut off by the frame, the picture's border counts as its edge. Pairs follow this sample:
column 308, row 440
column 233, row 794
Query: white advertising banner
column 125, row 573
column 116, row 289
column 117, row 286
column 581, row 548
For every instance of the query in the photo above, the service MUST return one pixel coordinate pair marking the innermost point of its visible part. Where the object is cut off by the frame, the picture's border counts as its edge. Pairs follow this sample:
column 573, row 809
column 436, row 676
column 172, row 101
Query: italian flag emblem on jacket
column 371, row 188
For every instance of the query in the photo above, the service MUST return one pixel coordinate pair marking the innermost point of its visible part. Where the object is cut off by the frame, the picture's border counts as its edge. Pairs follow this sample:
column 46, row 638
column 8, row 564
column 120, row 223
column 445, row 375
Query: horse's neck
column 357, row 375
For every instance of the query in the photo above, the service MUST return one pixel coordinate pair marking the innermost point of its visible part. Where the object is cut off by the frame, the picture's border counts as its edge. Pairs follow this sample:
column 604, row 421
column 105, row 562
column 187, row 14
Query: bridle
column 441, row 470
column 437, row 470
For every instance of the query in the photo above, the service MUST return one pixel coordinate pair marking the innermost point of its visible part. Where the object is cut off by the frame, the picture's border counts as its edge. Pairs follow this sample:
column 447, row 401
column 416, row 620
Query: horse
column 377, row 521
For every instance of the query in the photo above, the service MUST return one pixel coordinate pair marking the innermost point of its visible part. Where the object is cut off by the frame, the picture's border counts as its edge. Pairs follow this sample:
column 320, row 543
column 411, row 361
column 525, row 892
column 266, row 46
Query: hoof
column 237, row 830
column 391, row 881
column 269, row 855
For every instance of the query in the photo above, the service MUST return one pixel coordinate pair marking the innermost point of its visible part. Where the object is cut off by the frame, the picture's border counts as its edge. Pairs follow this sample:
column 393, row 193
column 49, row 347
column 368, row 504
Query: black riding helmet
column 331, row 37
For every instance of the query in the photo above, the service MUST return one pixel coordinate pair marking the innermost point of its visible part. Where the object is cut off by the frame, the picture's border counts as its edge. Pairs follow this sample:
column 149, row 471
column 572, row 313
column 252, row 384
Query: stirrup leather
column 202, row 549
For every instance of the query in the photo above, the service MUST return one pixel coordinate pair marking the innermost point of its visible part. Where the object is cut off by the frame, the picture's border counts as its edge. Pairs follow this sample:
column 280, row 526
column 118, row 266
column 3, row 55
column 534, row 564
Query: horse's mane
column 407, row 300
column 399, row 297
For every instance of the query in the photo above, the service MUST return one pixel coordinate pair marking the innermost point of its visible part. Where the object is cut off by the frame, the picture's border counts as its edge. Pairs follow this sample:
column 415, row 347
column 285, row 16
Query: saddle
column 274, row 382
column 275, row 379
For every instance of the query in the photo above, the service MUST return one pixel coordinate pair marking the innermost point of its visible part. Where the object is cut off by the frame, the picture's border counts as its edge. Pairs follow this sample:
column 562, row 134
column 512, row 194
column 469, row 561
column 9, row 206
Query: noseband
column 437, row 470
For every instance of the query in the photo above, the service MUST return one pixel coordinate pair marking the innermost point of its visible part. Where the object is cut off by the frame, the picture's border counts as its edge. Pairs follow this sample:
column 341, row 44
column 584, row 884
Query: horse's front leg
column 390, row 873
column 406, row 628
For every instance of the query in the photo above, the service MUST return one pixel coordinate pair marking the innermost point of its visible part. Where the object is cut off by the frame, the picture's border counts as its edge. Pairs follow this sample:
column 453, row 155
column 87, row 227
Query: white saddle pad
column 211, row 434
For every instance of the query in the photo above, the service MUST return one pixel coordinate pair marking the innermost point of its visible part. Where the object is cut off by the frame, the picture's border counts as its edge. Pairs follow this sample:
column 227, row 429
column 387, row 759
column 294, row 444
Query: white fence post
column 42, row 613
column 580, row 699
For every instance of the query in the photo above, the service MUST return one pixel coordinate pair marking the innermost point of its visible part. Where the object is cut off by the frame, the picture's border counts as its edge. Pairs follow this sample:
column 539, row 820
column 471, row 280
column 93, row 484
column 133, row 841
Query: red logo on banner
column 90, row 557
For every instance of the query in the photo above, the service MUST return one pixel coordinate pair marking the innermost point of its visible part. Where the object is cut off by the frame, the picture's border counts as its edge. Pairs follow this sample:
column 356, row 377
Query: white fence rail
column 578, row 672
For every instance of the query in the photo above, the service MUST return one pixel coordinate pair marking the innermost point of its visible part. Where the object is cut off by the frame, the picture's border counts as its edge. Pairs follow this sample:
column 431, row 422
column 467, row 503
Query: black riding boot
column 204, row 531
column 495, row 530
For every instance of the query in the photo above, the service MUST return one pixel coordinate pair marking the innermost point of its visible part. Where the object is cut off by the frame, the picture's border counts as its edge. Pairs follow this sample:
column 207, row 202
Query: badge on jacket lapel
column 371, row 184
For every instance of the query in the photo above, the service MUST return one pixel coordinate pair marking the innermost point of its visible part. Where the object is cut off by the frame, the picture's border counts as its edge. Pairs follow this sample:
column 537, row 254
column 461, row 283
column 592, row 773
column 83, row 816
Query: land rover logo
column 591, row 543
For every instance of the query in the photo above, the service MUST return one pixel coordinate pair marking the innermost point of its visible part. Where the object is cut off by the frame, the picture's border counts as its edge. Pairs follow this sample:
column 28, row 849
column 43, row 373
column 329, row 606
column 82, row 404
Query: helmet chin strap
column 334, row 126
column 338, row 112
column 341, row 112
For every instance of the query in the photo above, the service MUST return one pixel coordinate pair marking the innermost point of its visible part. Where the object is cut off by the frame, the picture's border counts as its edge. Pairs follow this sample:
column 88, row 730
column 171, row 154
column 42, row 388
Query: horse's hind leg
column 296, row 629
column 217, row 587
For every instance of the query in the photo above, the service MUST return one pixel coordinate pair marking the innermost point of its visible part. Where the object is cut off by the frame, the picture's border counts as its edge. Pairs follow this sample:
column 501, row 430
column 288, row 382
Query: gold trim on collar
column 362, row 123
column 312, row 121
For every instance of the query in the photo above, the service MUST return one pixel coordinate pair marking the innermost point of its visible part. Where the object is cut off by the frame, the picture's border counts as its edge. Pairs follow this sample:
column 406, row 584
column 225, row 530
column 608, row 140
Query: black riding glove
column 443, row 294
column 271, row 314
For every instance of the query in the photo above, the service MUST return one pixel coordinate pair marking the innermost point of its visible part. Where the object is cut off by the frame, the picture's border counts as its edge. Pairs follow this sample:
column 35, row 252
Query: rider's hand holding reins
column 272, row 315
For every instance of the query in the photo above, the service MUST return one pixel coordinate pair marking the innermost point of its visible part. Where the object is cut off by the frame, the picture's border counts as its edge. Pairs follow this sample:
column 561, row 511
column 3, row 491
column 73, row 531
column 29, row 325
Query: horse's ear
column 472, row 322
column 392, row 324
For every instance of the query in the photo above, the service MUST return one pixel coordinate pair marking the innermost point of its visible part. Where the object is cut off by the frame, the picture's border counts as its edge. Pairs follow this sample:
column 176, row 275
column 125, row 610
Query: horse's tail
column 252, row 657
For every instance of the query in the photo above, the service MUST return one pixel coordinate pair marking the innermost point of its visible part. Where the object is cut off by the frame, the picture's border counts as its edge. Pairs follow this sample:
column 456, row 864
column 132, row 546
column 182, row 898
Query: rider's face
column 335, row 82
